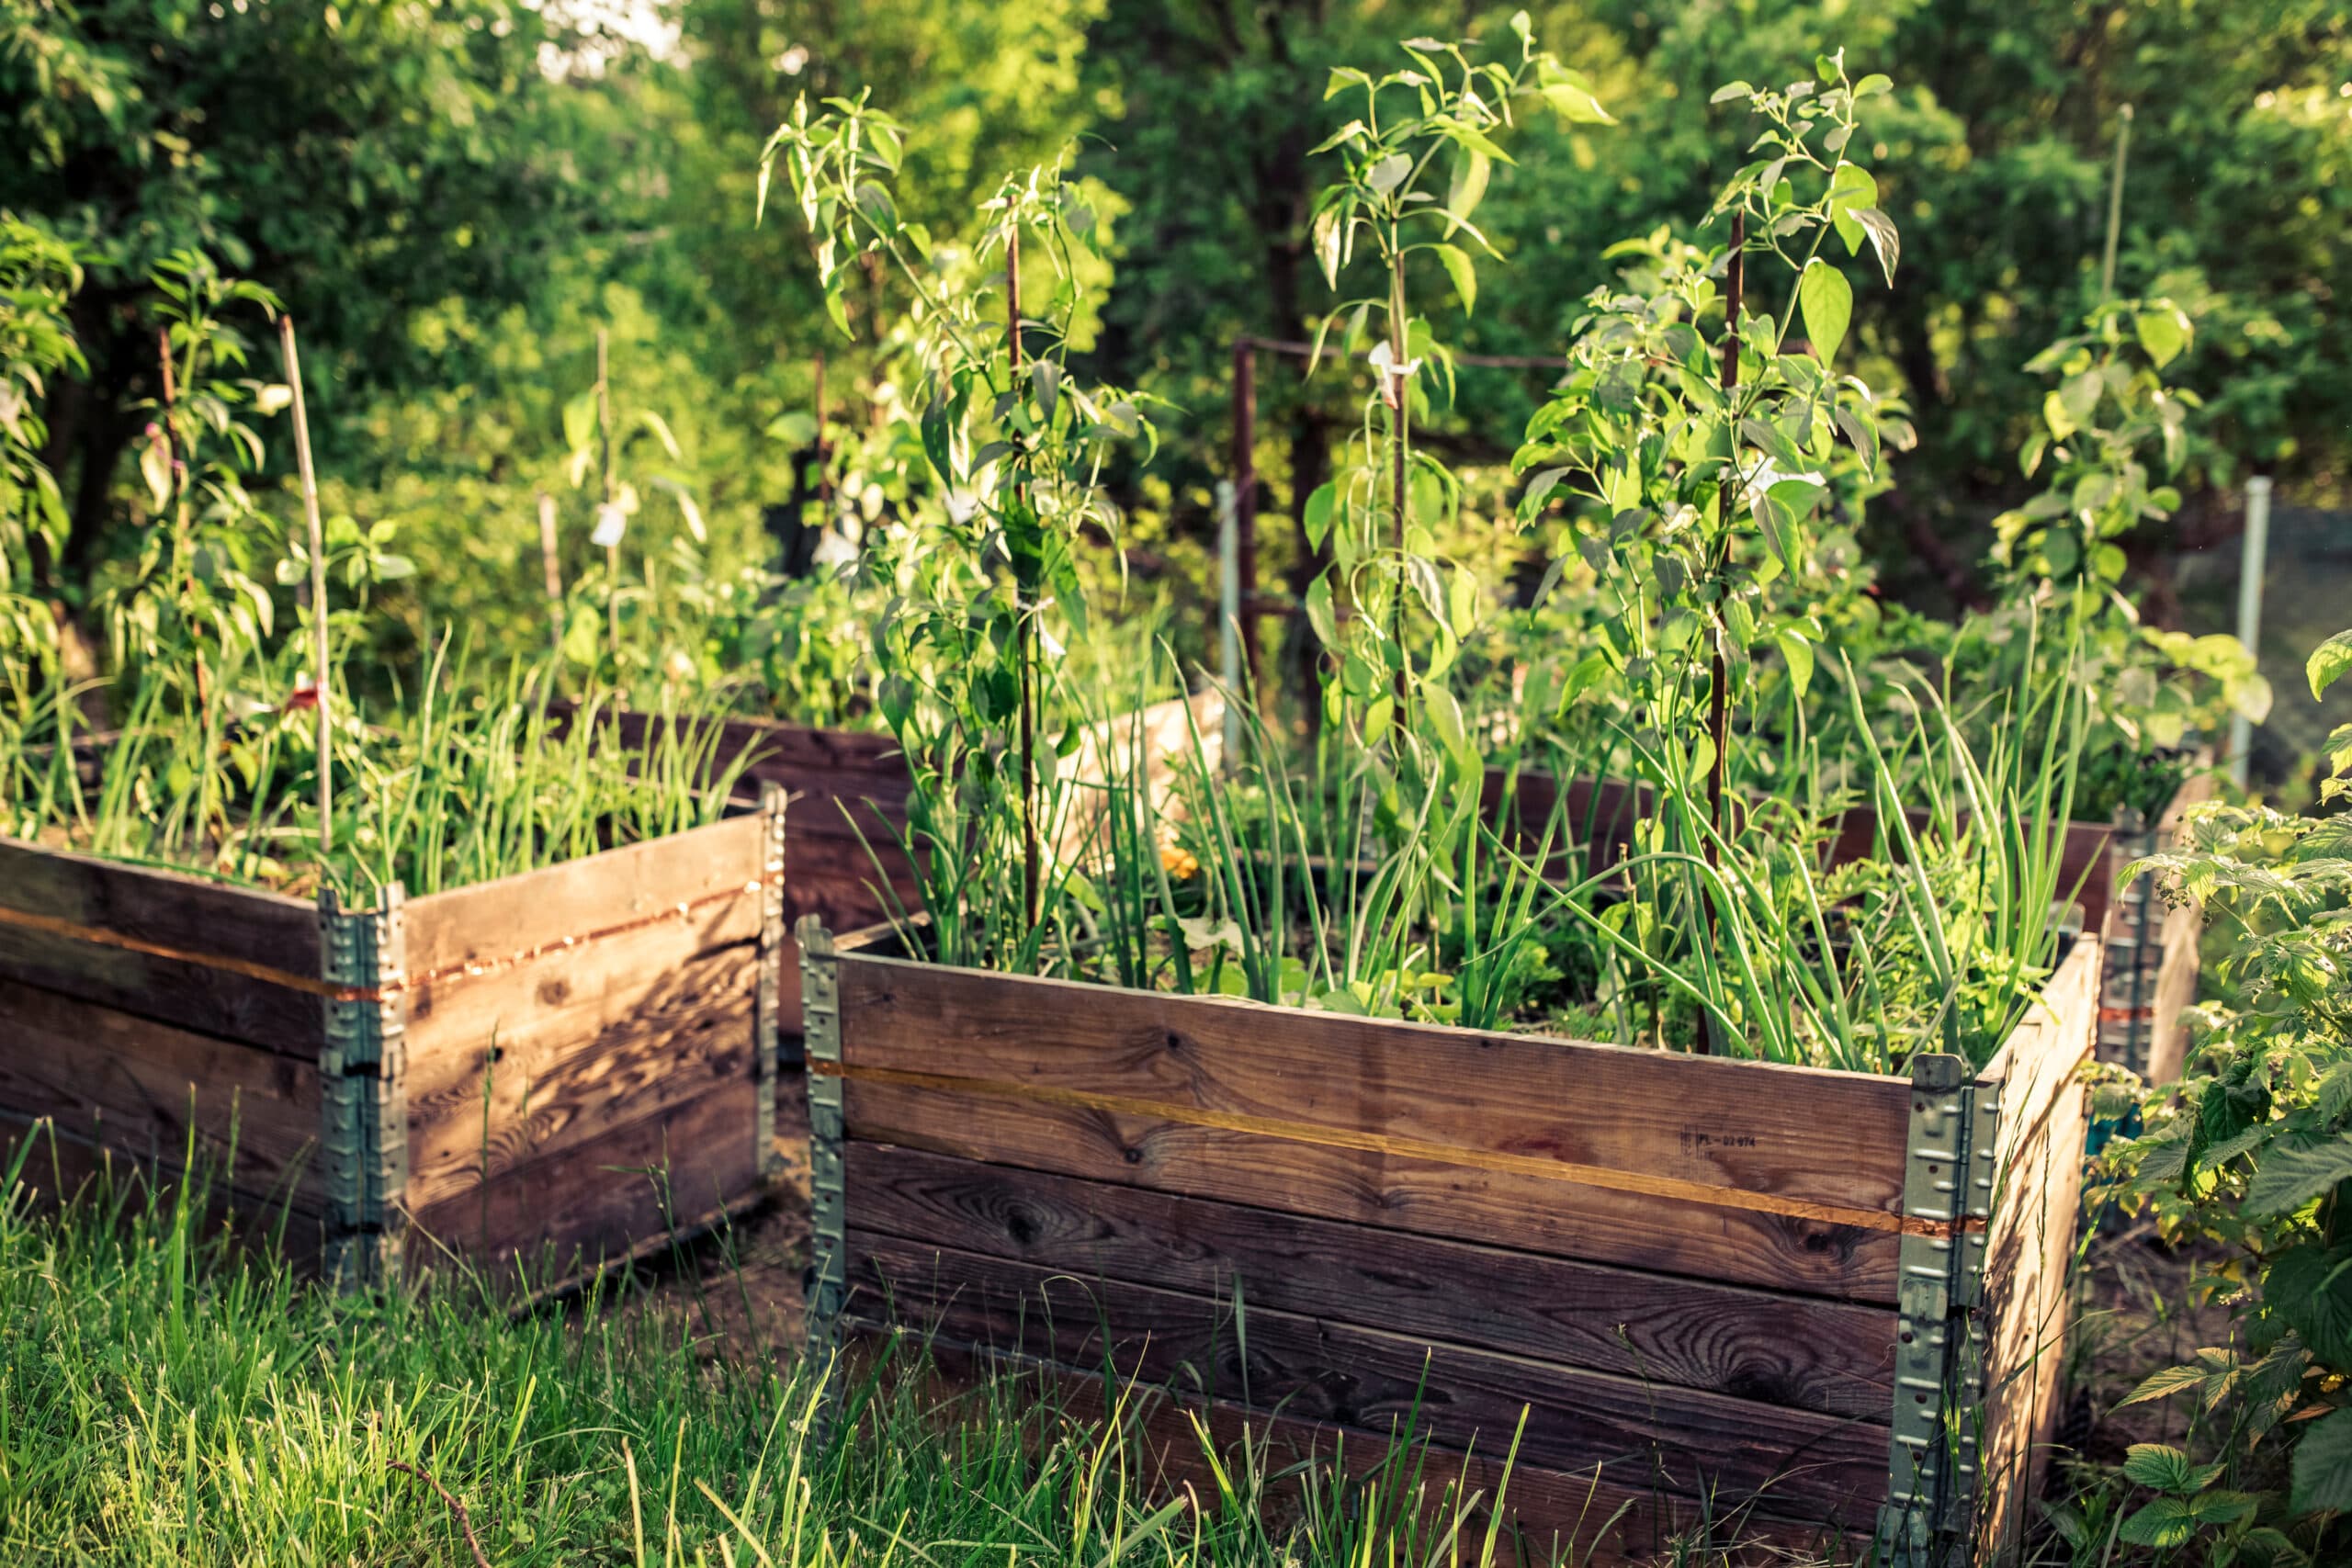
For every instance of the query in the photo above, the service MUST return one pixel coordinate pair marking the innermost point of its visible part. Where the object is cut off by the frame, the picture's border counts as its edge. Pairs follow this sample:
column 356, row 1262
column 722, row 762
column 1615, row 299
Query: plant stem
column 1025, row 652
column 2115, row 204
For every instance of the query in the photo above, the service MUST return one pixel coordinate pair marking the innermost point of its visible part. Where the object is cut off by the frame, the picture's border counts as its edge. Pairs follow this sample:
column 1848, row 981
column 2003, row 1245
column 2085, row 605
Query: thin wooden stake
column 613, row 551
column 552, row 568
column 318, row 586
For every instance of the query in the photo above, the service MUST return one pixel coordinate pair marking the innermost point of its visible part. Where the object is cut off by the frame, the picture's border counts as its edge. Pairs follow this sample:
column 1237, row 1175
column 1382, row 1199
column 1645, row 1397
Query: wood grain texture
column 491, row 921
column 58, row 1165
column 1637, row 1434
column 182, row 914
column 139, row 1086
column 1732, row 1125
column 618, row 1194
column 1829, row 1356
column 1502, row 1209
column 1551, row 1515
column 2029, row 1243
column 570, row 1049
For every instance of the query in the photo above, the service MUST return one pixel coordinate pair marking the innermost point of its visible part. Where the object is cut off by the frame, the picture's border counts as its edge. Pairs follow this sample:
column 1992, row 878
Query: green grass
column 170, row 1396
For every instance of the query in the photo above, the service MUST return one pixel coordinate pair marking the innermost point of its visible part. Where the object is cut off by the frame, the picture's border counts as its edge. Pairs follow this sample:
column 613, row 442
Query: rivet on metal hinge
column 828, row 1283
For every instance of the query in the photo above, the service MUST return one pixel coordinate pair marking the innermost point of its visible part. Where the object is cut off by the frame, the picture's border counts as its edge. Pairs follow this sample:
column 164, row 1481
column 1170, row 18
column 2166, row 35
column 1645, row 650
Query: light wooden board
column 1745, row 1127
column 492, row 921
column 1779, row 1350
column 180, row 914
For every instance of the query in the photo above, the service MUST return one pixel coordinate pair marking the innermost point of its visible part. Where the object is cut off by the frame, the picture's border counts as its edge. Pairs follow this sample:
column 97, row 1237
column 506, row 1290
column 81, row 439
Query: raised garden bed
column 543, row 1073
column 1839, row 1294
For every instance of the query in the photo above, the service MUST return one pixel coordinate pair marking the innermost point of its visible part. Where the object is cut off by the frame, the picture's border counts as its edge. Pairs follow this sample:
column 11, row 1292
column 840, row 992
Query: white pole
column 1228, row 617
column 2252, row 564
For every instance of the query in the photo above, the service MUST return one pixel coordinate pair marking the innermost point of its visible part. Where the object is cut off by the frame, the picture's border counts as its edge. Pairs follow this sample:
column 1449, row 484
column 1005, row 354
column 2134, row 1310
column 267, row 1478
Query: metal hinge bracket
column 362, row 1072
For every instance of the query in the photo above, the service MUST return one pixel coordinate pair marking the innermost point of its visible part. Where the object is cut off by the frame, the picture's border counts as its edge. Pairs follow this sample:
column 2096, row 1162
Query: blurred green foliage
column 453, row 198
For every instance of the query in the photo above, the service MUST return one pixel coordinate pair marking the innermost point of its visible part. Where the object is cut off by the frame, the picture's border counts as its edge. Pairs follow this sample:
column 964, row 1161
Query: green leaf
column 578, row 420
column 1464, row 276
column 2288, row 1179
column 2163, row 1468
column 1388, row 174
column 1445, row 718
column 1317, row 521
column 1471, row 170
column 2163, row 331
column 2310, row 1286
column 1851, row 190
column 1826, row 301
column 2164, row 1524
column 1539, row 489
column 2323, row 1477
column 1883, row 236
column 1572, row 102
column 1320, row 613
column 2329, row 662
column 2170, row 1380
column 1731, row 90
column 1799, row 653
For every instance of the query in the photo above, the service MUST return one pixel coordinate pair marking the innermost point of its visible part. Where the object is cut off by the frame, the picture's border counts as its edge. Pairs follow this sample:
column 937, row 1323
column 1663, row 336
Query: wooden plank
column 513, row 1066
column 492, row 921
column 1752, row 1126
column 2183, row 931
column 618, row 1194
column 60, row 1167
column 1710, row 1133
column 1391, row 1193
column 1551, row 1515
column 175, row 913
column 2029, row 1243
column 1756, row 1345
column 136, row 1086
column 1635, row 1433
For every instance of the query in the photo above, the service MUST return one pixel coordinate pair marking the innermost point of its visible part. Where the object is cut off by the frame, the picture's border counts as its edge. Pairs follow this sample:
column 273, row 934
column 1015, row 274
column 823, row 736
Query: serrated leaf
column 2322, row 1478
column 2290, row 1179
column 1826, row 301
column 2329, row 662
column 2309, row 1288
column 2163, row 1385
column 2164, row 1524
column 2159, row 1466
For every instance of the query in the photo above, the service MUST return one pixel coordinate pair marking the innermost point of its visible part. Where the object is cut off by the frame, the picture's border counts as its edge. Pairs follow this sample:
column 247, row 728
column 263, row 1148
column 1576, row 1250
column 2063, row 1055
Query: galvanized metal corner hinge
column 364, row 1105
column 767, row 1022
column 828, row 1281
column 1932, row 1453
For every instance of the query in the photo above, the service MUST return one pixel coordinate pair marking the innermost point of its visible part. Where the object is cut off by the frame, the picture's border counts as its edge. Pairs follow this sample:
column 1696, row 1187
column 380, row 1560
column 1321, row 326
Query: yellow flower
column 1177, row 862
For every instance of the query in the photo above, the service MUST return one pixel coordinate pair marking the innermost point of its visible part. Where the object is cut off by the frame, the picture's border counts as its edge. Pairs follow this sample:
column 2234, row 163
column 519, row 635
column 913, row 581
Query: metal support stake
column 1932, row 1453
column 2253, row 563
column 364, row 1102
column 1244, row 501
column 1228, row 617
column 828, row 1283
column 765, row 1021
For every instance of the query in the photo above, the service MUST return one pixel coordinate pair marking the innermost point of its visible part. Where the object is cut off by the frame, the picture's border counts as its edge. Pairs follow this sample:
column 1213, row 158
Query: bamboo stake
column 1023, row 632
column 2115, row 204
column 552, row 570
column 318, row 586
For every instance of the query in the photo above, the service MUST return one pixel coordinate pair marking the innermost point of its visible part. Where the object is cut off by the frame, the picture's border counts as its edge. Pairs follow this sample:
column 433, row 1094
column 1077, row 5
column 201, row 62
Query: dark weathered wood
column 1636, row 1433
column 595, row 1203
column 138, row 1086
column 60, row 1166
column 1831, row 1356
column 591, row 1043
column 492, row 921
column 180, row 914
column 1553, row 1516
